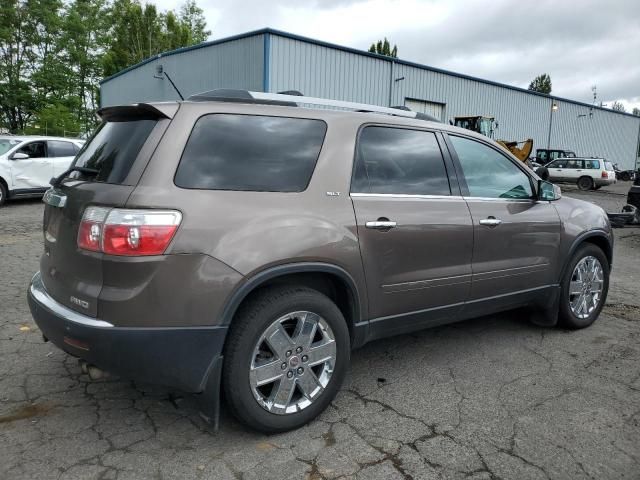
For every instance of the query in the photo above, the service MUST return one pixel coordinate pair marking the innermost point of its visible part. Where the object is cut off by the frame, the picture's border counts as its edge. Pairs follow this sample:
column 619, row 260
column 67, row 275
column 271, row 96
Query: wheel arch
column 594, row 237
column 329, row 279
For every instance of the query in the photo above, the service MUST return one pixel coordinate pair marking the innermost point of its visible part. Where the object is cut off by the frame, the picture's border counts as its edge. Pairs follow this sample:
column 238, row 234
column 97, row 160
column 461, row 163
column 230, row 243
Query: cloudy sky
column 580, row 43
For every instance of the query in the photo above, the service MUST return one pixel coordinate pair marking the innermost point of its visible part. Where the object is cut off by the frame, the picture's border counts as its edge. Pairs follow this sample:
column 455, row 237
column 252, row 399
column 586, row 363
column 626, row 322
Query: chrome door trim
column 403, row 195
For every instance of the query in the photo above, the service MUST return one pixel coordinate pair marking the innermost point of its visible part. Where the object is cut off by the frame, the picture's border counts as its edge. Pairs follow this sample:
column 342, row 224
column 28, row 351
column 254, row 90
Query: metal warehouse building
column 271, row 61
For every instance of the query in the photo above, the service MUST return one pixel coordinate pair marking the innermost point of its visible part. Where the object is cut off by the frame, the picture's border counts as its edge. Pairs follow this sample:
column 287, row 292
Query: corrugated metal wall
column 322, row 71
column 319, row 71
column 233, row 64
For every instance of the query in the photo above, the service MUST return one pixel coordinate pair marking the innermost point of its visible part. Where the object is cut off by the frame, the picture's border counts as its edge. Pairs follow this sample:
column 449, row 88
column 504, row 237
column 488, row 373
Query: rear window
column 608, row 166
column 251, row 153
column 113, row 149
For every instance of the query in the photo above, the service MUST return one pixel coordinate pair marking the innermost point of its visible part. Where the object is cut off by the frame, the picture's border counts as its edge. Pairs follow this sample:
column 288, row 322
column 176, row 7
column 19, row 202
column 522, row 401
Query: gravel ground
column 489, row 398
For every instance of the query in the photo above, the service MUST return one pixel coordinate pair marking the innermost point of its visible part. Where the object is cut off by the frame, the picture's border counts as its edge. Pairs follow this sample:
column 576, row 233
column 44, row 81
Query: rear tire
column 299, row 378
column 585, row 183
column 587, row 272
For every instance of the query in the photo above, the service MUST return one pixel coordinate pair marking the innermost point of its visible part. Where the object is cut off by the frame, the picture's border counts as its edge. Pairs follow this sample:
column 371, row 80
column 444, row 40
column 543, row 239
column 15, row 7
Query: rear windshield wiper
column 55, row 181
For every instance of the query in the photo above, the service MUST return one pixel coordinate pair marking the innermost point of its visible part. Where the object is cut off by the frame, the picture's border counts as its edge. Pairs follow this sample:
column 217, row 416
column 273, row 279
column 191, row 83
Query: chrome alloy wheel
column 292, row 362
column 585, row 289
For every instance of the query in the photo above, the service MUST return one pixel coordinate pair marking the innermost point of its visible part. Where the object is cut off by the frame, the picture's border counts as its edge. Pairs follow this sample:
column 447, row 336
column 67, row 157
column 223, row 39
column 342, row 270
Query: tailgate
column 110, row 164
column 70, row 275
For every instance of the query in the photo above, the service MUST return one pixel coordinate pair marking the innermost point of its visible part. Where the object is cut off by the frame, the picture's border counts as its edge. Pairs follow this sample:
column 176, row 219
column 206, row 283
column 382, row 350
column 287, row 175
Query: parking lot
column 489, row 398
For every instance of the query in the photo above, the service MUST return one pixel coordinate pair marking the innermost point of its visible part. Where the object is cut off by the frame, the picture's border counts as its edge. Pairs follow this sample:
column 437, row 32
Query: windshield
column 7, row 144
column 113, row 149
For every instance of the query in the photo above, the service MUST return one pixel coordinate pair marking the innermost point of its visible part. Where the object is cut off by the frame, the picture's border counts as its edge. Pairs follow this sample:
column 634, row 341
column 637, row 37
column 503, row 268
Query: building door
column 431, row 108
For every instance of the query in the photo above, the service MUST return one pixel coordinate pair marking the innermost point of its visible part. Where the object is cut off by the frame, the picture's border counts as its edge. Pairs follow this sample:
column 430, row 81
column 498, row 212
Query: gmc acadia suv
column 241, row 241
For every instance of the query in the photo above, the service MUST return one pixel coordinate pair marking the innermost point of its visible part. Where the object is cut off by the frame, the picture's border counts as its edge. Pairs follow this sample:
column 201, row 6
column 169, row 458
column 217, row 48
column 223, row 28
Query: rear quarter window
column 250, row 153
column 113, row 149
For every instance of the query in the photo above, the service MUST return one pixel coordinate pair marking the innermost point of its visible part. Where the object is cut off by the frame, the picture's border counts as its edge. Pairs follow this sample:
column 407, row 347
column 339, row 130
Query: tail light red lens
column 128, row 232
column 605, row 174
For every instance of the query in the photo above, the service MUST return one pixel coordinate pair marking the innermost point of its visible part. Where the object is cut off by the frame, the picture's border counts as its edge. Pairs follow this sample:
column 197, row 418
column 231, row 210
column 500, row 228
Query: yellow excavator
column 486, row 126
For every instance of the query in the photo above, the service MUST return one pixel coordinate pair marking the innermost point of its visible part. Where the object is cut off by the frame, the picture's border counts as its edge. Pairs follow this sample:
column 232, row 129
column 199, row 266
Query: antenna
column 159, row 74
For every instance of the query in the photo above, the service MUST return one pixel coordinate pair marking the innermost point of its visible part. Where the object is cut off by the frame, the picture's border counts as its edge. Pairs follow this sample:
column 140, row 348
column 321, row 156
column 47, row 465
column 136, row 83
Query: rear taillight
column 121, row 231
column 605, row 174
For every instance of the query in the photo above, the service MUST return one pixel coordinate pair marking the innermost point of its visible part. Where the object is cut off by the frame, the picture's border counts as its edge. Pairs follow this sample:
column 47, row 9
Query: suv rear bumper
column 177, row 357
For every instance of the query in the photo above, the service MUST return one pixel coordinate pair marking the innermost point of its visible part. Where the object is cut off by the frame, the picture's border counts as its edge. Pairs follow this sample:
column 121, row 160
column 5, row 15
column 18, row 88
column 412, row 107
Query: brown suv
column 239, row 241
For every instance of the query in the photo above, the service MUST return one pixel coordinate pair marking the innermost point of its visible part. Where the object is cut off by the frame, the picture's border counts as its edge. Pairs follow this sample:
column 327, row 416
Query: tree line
column 53, row 53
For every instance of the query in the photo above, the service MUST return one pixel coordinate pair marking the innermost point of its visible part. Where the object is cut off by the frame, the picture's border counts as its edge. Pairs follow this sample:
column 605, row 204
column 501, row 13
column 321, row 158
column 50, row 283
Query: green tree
column 383, row 47
column 541, row 84
column 192, row 17
column 17, row 33
column 618, row 107
column 140, row 31
column 636, row 111
column 54, row 52
column 85, row 43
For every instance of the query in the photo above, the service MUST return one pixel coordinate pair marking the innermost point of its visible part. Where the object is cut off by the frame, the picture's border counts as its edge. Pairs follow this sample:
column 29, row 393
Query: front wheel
column 584, row 287
column 3, row 193
column 585, row 183
column 285, row 359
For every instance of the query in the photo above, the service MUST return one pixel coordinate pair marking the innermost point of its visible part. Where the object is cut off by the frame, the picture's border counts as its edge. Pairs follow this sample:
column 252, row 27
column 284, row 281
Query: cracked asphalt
column 491, row 398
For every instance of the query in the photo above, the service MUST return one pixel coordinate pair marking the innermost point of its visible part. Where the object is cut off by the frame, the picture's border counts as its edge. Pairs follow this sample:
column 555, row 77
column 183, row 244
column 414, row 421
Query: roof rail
column 295, row 100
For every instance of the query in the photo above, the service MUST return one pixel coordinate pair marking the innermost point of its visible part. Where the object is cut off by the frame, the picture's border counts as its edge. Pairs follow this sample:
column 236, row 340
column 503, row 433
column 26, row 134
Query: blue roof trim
column 334, row 46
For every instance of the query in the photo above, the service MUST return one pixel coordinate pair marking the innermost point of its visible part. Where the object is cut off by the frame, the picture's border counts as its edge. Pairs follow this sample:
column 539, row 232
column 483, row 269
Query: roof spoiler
column 138, row 111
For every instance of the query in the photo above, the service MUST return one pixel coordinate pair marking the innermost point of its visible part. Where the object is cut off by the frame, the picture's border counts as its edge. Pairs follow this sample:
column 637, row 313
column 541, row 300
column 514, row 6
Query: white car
column 28, row 163
column 587, row 173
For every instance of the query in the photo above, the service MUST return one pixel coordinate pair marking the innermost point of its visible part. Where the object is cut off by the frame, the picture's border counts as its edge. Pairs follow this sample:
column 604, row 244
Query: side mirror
column 549, row 192
column 19, row 156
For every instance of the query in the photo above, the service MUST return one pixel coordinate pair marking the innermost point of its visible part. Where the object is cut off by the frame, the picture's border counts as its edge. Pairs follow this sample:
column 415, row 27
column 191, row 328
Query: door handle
column 491, row 222
column 381, row 224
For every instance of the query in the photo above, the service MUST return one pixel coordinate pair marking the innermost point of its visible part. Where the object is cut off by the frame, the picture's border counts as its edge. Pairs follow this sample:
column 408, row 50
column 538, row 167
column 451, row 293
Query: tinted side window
column 394, row 160
column 61, row 149
column 488, row 173
column 250, row 152
column 35, row 150
column 573, row 164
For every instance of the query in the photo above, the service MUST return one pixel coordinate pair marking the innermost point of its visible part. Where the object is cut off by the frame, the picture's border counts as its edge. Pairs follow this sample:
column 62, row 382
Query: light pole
column 554, row 107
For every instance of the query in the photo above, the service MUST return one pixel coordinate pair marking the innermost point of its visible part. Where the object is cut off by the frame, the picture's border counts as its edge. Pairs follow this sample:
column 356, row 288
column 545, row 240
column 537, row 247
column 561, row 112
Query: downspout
column 266, row 59
column 391, row 82
column 550, row 124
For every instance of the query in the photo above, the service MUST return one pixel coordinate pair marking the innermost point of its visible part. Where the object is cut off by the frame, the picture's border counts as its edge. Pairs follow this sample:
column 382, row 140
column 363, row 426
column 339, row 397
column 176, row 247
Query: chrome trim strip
column 44, row 299
column 493, row 199
column 423, row 284
column 402, row 195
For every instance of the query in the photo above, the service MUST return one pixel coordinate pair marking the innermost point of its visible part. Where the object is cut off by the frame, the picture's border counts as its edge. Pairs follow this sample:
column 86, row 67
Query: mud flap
column 545, row 313
column 209, row 399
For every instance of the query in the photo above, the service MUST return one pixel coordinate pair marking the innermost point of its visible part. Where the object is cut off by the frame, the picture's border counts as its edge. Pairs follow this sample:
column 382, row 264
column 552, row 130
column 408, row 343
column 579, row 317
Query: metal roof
column 357, row 52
